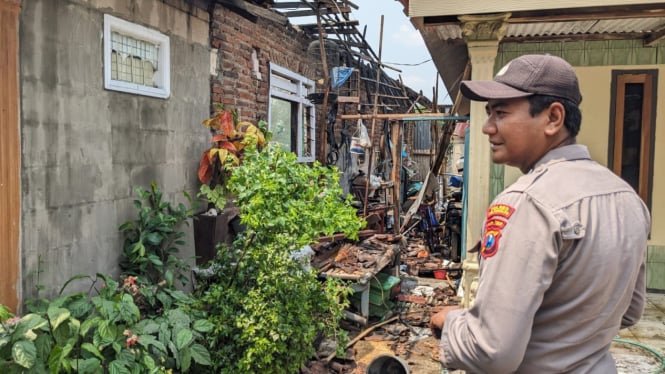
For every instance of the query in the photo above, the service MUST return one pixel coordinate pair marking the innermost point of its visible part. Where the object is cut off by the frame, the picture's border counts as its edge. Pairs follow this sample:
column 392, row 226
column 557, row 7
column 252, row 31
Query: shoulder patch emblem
column 497, row 218
column 500, row 210
column 490, row 243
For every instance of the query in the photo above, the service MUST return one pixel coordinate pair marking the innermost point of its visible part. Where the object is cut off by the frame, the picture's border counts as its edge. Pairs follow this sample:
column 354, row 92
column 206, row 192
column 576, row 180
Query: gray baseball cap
column 526, row 76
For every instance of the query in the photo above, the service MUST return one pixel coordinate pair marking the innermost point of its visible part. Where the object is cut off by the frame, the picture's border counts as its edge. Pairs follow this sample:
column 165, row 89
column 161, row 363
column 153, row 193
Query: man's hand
column 437, row 320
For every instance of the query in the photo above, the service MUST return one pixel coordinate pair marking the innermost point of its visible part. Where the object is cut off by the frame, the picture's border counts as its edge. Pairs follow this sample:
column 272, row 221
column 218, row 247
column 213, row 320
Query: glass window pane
column 280, row 122
column 632, row 134
column 307, row 132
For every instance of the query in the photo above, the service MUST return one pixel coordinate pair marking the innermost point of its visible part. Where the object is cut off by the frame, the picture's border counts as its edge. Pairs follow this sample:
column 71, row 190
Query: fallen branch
column 362, row 335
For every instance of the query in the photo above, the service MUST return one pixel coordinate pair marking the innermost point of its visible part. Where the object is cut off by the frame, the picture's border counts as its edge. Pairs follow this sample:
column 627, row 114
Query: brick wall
column 236, row 38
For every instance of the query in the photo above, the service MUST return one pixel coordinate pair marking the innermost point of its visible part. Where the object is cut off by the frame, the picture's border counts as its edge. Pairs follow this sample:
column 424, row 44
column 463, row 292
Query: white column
column 482, row 34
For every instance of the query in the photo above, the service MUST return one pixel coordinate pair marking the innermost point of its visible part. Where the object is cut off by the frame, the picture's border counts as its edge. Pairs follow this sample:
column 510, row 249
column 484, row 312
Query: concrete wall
column 85, row 149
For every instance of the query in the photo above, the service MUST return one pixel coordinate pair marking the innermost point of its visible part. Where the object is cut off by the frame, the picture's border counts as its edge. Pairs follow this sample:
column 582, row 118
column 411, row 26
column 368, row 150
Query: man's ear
column 556, row 115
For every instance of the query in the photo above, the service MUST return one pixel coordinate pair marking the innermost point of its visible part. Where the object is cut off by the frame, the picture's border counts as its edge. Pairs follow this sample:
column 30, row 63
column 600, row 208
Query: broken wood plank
column 362, row 335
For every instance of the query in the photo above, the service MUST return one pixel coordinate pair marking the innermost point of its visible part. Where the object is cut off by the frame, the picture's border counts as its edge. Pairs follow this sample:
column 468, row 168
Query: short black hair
column 573, row 119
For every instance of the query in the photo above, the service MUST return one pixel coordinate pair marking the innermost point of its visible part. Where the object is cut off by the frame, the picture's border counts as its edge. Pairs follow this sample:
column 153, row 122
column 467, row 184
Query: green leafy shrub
column 266, row 308
column 142, row 324
column 104, row 333
column 151, row 241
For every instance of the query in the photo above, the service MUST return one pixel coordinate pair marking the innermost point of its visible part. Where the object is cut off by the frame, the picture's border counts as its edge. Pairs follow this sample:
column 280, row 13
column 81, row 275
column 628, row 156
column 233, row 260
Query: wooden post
column 396, row 133
column 326, row 83
column 374, row 113
column 10, row 155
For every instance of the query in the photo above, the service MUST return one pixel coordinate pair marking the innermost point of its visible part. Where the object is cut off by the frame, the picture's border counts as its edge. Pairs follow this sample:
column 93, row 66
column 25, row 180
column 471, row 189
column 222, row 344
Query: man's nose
column 489, row 127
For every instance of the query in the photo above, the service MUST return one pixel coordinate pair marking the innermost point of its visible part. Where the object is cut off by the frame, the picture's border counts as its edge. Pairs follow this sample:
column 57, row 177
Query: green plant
column 230, row 136
column 151, row 241
column 5, row 313
column 104, row 333
column 267, row 308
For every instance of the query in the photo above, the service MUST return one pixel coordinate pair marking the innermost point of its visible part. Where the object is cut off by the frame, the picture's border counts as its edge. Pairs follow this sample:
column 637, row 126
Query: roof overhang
column 428, row 8
column 441, row 24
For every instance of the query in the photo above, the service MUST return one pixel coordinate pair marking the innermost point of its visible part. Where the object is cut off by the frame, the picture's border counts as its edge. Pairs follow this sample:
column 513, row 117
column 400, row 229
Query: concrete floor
column 649, row 332
column 630, row 356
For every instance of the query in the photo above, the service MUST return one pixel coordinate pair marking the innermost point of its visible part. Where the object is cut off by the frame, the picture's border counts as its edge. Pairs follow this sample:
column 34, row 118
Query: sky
column 402, row 48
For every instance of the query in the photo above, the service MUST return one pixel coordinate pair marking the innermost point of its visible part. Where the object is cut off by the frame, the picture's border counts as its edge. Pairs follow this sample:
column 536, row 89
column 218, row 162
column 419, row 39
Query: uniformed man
column 562, row 254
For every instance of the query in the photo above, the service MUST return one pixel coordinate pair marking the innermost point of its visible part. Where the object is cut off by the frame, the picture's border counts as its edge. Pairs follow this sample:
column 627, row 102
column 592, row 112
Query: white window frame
column 294, row 87
column 162, row 75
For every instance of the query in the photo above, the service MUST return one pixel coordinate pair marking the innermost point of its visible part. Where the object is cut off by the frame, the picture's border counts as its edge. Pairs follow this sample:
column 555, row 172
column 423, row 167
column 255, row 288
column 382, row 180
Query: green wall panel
column 588, row 53
column 656, row 267
column 496, row 179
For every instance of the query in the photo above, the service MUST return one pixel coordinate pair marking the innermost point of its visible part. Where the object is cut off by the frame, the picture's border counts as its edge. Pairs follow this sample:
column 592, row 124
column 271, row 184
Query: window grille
column 136, row 59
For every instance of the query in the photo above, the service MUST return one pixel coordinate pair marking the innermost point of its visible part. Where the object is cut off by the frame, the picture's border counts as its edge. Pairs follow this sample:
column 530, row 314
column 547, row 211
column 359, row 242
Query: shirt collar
column 560, row 154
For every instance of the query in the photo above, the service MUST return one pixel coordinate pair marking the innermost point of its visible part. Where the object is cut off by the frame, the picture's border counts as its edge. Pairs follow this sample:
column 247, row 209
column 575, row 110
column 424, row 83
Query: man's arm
column 519, row 262
column 636, row 307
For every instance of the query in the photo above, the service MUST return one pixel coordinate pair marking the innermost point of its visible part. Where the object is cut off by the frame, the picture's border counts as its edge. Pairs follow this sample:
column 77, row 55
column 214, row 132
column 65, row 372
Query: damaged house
column 102, row 97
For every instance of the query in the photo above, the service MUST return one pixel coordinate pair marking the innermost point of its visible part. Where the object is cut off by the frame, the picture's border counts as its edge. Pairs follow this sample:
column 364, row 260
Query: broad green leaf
column 116, row 347
column 148, row 340
column 5, row 313
column 128, row 310
column 147, row 326
column 200, row 355
column 179, row 296
column 30, row 335
column 92, row 349
column 4, row 340
column 89, row 366
column 87, row 324
column 155, row 260
column 164, row 299
column 183, row 338
column 153, row 238
column 185, row 359
column 203, row 325
column 106, row 332
column 178, row 317
column 43, row 343
column 66, row 350
column 148, row 362
column 117, row 367
column 168, row 275
column 80, row 307
column 139, row 248
column 29, row 322
column 24, row 353
column 55, row 360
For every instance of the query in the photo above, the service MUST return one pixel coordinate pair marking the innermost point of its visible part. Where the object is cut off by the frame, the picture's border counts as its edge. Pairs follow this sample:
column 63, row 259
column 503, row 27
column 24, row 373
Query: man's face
column 516, row 138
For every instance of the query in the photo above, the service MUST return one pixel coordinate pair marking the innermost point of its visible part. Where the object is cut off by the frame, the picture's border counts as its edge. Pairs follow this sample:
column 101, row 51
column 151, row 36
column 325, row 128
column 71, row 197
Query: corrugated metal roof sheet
column 611, row 26
column 549, row 28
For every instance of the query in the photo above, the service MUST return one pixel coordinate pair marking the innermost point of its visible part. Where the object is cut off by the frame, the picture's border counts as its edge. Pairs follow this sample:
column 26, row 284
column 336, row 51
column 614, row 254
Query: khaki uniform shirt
column 561, row 270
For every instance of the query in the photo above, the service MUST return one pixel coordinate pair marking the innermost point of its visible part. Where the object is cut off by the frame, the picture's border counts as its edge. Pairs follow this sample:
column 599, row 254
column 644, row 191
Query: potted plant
column 229, row 139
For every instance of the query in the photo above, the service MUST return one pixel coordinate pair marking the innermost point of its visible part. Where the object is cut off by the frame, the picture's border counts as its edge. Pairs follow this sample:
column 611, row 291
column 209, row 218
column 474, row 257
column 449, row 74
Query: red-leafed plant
column 229, row 138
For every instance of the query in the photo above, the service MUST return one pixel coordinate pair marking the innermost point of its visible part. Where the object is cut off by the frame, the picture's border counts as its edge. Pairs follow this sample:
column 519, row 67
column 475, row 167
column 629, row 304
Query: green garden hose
column 653, row 351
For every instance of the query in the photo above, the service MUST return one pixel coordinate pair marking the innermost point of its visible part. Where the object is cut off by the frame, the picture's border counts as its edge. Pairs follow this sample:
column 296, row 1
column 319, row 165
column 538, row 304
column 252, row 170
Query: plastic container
column 439, row 274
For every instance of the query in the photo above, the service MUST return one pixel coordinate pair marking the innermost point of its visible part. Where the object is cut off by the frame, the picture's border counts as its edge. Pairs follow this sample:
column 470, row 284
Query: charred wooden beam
column 330, row 24
column 289, row 5
column 309, row 12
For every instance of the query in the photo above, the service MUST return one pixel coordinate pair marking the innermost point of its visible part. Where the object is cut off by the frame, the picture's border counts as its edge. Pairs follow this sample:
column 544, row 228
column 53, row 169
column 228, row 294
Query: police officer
column 562, row 252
